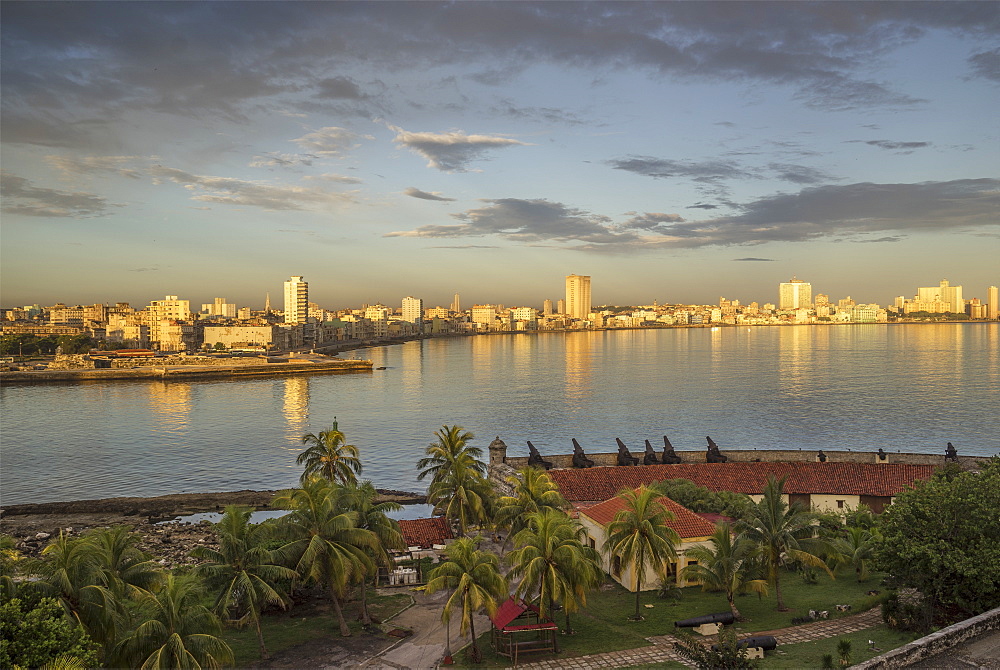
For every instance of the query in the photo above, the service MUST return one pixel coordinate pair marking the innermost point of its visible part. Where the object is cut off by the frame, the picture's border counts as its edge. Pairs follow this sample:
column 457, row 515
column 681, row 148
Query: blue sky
column 676, row 152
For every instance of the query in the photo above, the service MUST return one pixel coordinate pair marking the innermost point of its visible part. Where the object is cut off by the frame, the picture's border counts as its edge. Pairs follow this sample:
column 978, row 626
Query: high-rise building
column 456, row 304
column 560, row 306
column 993, row 303
column 219, row 308
column 547, row 307
column 578, row 296
column 413, row 310
column 296, row 300
column 794, row 294
column 943, row 297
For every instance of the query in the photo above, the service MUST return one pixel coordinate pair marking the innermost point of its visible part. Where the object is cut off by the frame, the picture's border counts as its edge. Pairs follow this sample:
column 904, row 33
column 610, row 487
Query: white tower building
column 296, row 300
column 578, row 296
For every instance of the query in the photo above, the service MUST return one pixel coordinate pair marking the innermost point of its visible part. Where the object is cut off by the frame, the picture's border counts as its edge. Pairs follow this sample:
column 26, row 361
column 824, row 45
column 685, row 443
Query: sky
column 673, row 151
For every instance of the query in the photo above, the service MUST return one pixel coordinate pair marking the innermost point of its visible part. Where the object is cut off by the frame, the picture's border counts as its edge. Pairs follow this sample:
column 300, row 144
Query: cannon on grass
column 762, row 642
column 624, row 456
column 724, row 618
column 535, row 459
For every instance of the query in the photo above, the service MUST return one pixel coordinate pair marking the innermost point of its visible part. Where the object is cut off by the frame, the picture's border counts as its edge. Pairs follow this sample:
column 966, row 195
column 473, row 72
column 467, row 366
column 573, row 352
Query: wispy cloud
column 414, row 192
column 751, row 258
column 893, row 145
column 21, row 197
column 451, row 151
column 330, row 141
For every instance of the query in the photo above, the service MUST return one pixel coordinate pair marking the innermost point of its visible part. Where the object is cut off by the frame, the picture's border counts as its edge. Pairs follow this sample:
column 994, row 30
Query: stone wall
column 749, row 456
column 933, row 644
column 87, row 362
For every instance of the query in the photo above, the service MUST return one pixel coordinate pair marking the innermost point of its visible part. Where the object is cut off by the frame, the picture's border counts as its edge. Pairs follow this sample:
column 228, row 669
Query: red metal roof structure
column 512, row 609
column 685, row 522
column 861, row 479
column 425, row 533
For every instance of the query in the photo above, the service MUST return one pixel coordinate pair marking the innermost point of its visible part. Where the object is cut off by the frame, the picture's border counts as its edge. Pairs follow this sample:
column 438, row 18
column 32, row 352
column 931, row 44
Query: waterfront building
column 794, row 294
column 944, row 294
column 578, row 296
column 547, row 307
column 561, row 306
column 296, row 300
column 484, row 315
column 413, row 311
column 378, row 315
column 993, row 303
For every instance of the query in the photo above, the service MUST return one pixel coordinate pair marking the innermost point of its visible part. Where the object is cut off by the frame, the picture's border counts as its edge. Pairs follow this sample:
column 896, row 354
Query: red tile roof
column 685, row 522
column 425, row 532
column 862, row 479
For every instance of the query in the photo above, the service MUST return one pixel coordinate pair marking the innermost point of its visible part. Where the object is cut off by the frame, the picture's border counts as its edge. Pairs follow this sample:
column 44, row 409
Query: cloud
column 552, row 115
column 337, row 178
column 702, row 205
column 751, row 258
column 21, row 197
column 414, row 192
column 330, row 141
column 451, row 151
column 663, row 168
column 275, row 159
column 229, row 191
column 891, row 145
column 799, row 174
column 464, row 246
column 84, row 165
column 849, row 212
column 340, row 88
column 153, row 268
column 986, row 64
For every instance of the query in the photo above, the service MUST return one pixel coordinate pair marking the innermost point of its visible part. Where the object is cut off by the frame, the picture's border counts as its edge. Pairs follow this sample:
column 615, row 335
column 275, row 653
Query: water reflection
column 579, row 369
column 295, row 408
column 170, row 403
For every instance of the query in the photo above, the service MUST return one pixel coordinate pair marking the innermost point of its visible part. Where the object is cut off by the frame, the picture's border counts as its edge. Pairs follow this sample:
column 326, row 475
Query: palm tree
column 450, row 450
column 534, row 491
column 781, row 531
column 463, row 496
column 326, row 546
column 373, row 516
column 476, row 583
column 640, row 538
column 329, row 457
column 246, row 567
column 176, row 631
column 857, row 548
column 553, row 562
column 725, row 566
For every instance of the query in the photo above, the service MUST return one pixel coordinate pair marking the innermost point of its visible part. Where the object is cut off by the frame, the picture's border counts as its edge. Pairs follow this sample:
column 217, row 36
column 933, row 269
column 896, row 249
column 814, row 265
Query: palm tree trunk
column 777, row 591
column 732, row 606
column 260, row 637
column 344, row 630
column 569, row 630
column 366, row 617
column 477, row 655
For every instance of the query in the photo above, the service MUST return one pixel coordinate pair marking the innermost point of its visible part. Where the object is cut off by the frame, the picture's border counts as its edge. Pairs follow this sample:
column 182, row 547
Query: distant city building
column 456, row 304
column 484, row 315
column 296, row 300
column 993, row 303
column 547, row 307
column 578, row 296
column 219, row 308
column 794, row 294
column 413, row 310
column 560, row 306
column 943, row 297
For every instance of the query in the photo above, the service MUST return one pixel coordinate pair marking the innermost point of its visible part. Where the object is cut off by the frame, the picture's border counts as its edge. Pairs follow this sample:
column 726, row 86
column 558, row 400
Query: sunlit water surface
column 905, row 387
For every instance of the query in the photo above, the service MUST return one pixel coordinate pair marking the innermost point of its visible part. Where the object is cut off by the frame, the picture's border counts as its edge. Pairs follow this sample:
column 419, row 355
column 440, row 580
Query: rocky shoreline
column 33, row 525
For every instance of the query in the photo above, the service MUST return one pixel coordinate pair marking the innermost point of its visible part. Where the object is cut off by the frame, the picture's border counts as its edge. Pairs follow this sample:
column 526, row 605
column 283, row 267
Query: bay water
column 907, row 387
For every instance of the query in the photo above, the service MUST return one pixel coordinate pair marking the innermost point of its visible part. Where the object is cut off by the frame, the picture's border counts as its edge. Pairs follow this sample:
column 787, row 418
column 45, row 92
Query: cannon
column 535, row 459
column 670, row 457
column 624, row 457
column 821, row 456
column 649, row 458
column 714, row 455
column 764, row 642
column 881, row 454
column 951, row 453
column 580, row 459
column 725, row 618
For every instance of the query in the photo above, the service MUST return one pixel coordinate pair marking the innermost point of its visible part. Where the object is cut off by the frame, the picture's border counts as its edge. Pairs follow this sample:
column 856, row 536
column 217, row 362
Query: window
column 840, row 504
column 593, row 544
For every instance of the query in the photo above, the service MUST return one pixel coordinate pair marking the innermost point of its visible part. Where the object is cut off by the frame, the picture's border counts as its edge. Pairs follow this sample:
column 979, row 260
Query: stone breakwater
column 191, row 369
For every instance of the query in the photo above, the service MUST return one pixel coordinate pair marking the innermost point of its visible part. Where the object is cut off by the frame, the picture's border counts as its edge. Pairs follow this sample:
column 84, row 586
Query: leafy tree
column 844, row 651
column 33, row 636
column 219, row 346
column 534, row 491
column 781, row 532
column 329, row 457
column 175, row 631
column 857, row 547
column 463, row 496
column 553, row 563
column 700, row 499
column 246, row 566
column 10, row 559
column 75, row 344
column 327, row 547
column 474, row 578
column 640, row 538
column 727, row 566
column 373, row 517
column 941, row 538
column 451, row 450
column 726, row 654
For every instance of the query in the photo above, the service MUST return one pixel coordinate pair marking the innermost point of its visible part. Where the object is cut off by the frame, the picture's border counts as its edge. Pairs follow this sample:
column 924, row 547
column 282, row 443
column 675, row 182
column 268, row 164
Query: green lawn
column 604, row 625
column 286, row 630
column 810, row 654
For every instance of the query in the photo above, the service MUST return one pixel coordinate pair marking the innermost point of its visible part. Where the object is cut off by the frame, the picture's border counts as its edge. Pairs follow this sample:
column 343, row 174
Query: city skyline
column 676, row 152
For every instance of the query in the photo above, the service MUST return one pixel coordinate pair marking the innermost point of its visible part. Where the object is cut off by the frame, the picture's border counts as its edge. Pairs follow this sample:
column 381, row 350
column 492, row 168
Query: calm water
column 907, row 387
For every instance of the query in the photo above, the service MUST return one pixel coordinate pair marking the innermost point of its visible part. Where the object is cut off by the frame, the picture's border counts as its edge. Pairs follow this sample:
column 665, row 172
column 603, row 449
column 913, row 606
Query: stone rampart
column 933, row 644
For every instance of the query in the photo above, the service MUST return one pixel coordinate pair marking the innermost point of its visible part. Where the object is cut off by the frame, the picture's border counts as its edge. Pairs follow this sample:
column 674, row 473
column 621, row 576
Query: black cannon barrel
column 725, row 618
column 765, row 642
